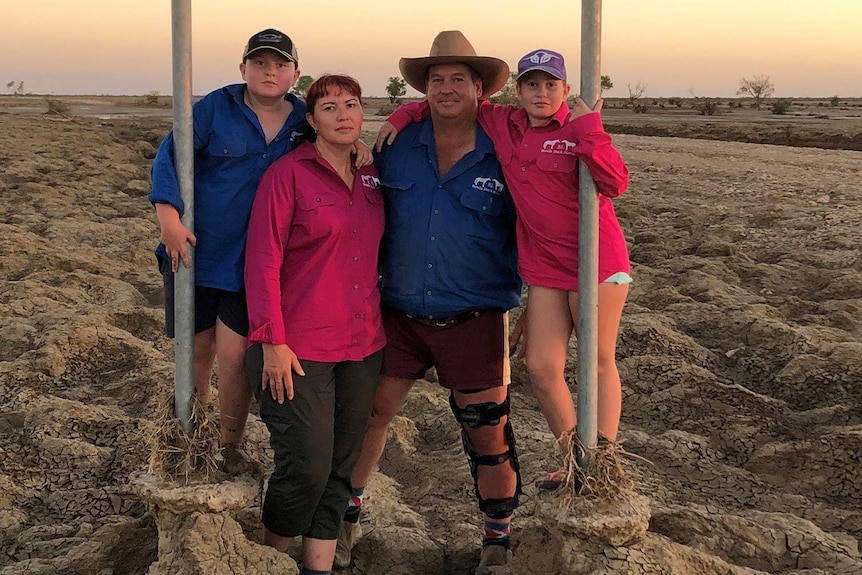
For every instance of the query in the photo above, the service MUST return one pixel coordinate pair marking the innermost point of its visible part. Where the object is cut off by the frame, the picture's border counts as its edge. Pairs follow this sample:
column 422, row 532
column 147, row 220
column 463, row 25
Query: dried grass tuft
column 176, row 455
column 604, row 477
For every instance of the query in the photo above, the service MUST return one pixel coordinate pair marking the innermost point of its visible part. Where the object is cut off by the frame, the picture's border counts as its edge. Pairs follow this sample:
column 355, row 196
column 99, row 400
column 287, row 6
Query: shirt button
column 484, row 208
column 523, row 168
column 224, row 151
column 428, row 292
column 357, row 315
column 525, row 146
column 430, row 266
column 555, row 165
column 355, row 286
column 356, row 258
column 264, row 156
column 351, row 201
column 440, row 187
column 433, row 238
column 437, row 212
column 317, row 200
column 353, row 231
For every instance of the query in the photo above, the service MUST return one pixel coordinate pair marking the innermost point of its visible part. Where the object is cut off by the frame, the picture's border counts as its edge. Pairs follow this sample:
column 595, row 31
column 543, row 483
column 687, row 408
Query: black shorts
column 210, row 304
column 316, row 438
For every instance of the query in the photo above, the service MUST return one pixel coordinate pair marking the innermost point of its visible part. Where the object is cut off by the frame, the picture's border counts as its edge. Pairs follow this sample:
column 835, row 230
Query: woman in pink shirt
column 314, row 320
column 539, row 146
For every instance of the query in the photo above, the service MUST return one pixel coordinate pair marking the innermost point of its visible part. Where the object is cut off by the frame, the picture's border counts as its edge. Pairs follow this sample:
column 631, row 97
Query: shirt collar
column 305, row 151
column 425, row 137
column 519, row 118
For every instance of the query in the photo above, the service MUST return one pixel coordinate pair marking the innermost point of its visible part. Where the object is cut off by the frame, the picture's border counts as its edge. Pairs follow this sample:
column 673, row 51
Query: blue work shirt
column 230, row 156
column 449, row 243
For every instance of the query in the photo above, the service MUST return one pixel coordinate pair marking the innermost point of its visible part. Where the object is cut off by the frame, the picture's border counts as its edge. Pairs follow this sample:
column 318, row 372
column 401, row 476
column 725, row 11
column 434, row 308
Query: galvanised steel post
column 184, row 286
column 588, row 225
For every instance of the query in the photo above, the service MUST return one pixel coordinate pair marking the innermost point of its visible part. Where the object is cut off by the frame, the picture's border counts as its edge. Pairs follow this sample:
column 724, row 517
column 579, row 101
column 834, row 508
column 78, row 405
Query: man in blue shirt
column 449, row 275
column 239, row 130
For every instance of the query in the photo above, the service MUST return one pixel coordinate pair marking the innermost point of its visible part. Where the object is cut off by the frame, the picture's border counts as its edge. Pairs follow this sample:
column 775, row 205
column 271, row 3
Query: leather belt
column 445, row 321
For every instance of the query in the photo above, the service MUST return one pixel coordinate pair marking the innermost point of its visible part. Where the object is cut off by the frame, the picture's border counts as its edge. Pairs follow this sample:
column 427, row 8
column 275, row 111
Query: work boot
column 494, row 560
column 348, row 535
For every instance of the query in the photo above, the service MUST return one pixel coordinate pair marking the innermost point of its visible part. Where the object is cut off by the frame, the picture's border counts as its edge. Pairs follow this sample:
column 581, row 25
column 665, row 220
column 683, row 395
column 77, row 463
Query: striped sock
column 354, row 507
column 496, row 534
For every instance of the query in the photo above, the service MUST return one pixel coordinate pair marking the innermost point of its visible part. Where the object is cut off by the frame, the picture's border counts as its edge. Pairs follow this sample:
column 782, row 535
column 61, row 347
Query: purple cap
column 544, row 60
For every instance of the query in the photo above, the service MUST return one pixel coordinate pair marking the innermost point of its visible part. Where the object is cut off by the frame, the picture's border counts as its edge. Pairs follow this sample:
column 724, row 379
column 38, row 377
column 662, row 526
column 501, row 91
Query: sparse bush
column 396, row 88
column 606, row 84
column 781, row 107
column 57, row 107
column 834, row 101
column 671, row 101
column 705, row 106
column 302, row 85
column 386, row 109
column 16, row 89
column 635, row 93
column 759, row 88
column 509, row 95
column 152, row 97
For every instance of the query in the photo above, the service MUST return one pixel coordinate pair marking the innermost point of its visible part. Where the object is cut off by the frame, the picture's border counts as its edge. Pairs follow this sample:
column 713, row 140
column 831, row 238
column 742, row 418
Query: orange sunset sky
column 674, row 47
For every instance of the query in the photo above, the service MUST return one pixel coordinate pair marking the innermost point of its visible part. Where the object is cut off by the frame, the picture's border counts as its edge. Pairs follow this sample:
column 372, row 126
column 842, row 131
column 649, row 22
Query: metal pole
column 184, row 286
column 588, row 241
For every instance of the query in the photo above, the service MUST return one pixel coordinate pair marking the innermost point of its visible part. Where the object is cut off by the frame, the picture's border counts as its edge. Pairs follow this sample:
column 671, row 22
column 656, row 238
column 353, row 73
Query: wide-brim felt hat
column 451, row 47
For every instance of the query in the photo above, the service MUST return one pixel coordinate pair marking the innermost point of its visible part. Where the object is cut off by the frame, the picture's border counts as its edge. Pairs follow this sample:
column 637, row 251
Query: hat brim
column 493, row 71
column 273, row 49
column 547, row 70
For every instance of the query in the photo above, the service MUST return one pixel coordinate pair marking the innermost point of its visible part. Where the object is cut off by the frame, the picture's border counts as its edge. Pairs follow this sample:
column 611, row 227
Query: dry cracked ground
column 740, row 353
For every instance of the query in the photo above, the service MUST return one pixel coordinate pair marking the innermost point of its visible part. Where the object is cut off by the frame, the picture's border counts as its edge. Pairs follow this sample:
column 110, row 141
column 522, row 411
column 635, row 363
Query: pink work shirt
column 311, row 259
column 541, row 168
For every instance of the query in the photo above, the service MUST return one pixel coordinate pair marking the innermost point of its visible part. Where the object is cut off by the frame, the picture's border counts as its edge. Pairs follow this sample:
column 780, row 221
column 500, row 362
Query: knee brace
column 489, row 414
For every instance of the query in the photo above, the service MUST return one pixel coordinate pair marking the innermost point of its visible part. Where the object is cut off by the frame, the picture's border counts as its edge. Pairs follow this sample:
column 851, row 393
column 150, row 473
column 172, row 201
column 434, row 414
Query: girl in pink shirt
column 539, row 146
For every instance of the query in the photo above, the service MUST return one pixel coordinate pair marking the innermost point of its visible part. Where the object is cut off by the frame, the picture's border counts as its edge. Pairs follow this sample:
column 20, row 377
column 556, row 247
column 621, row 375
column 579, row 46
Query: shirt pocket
column 311, row 202
column 486, row 209
column 557, row 163
column 221, row 147
column 317, row 218
column 373, row 195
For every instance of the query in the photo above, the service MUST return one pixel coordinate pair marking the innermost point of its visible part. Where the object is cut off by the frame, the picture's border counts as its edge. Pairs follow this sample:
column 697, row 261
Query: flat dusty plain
column 740, row 354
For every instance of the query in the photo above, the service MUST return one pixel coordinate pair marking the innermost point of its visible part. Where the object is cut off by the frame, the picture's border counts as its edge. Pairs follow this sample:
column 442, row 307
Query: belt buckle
column 443, row 323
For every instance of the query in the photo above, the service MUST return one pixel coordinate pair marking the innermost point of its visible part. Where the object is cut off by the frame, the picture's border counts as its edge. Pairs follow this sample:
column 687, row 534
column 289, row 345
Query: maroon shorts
column 470, row 355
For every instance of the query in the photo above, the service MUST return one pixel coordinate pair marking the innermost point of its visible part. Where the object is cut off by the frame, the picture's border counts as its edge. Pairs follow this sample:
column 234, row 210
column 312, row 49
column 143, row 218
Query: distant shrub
column 671, row 101
column 386, row 109
column 152, row 97
column 834, row 102
column 640, row 108
column 57, row 107
column 705, row 107
column 781, row 107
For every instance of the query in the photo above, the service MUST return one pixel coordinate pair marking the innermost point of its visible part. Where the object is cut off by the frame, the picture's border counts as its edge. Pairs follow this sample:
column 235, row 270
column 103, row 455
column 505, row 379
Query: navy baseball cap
column 271, row 39
column 544, row 60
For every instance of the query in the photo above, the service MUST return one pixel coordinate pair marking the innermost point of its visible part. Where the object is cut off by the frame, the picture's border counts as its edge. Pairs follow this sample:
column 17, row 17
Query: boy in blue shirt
column 239, row 131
